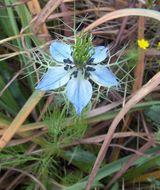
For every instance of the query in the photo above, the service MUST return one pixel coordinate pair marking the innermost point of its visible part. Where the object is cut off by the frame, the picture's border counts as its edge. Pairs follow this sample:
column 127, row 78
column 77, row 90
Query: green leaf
column 111, row 168
column 153, row 113
column 81, row 158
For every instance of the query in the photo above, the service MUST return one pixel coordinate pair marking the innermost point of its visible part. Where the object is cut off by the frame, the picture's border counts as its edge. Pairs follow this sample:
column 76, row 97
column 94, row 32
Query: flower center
column 82, row 50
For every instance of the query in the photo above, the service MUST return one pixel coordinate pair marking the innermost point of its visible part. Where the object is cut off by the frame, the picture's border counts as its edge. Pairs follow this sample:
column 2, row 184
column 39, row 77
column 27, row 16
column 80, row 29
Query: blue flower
column 79, row 89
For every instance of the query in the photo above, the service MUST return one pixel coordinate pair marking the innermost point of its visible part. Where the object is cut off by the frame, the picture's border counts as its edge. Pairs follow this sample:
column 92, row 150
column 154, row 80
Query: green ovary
column 82, row 50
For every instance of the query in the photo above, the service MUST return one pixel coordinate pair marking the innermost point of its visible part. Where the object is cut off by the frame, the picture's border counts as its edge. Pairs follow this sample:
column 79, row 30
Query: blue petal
column 99, row 54
column 61, row 51
column 79, row 92
column 103, row 76
column 54, row 78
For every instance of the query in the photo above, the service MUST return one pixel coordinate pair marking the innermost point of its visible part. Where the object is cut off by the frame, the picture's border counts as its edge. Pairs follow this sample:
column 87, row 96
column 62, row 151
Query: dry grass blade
column 35, row 9
column 20, row 118
column 25, row 128
column 137, row 152
column 10, row 82
column 100, row 138
column 139, row 71
column 103, row 109
column 15, row 37
column 138, row 75
column 145, row 90
column 47, row 10
column 44, row 109
column 124, row 13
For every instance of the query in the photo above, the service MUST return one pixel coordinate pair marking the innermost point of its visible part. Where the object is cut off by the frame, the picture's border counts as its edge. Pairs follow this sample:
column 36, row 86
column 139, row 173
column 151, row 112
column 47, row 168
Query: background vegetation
column 44, row 145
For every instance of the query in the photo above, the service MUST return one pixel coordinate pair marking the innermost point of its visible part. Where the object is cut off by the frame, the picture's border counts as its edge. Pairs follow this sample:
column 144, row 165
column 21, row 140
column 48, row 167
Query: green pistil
column 82, row 50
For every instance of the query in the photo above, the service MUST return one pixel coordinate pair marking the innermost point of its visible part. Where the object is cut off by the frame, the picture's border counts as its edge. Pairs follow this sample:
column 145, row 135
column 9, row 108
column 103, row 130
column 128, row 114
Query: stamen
column 90, row 69
column 92, row 64
column 75, row 74
column 90, row 61
column 66, row 67
column 86, row 74
column 67, row 61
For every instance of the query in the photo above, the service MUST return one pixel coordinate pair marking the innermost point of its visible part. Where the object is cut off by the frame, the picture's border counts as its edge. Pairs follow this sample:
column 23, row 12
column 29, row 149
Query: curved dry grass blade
column 20, row 118
column 44, row 14
column 138, row 75
column 145, row 90
column 123, row 13
column 35, row 9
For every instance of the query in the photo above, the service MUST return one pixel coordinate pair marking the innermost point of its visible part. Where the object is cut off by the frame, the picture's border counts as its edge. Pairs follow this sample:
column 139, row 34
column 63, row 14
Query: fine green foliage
column 61, row 131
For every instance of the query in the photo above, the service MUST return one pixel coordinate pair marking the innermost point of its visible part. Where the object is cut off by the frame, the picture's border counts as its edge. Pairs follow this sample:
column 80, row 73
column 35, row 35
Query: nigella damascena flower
column 76, row 77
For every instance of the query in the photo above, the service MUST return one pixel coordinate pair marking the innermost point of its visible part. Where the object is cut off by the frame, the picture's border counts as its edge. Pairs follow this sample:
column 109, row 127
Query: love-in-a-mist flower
column 76, row 64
